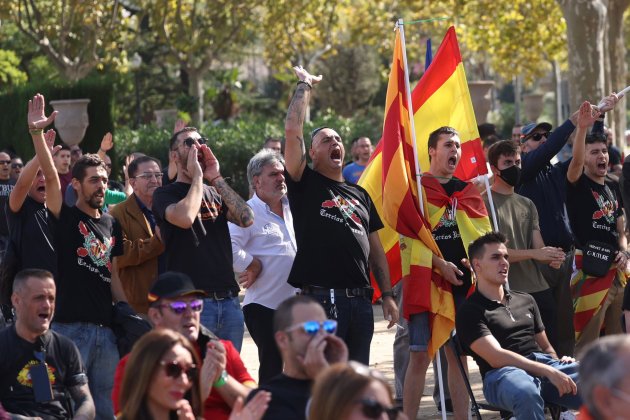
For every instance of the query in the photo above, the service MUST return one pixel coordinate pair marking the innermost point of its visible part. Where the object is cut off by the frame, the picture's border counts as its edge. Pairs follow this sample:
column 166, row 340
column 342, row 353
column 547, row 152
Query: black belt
column 350, row 292
column 224, row 294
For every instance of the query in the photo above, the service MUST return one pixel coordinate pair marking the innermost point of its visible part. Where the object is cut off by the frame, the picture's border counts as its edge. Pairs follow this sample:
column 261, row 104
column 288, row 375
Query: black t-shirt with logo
column 332, row 222
column 16, row 359
column 204, row 251
column 85, row 247
column 6, row 186
column 593, row 211
column 448, row 239
column 31, row 236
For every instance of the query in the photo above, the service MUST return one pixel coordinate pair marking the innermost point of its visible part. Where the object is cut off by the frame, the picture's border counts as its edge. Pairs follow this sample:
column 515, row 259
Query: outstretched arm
column 586, row 118
column 37, row 121
column 295, row 149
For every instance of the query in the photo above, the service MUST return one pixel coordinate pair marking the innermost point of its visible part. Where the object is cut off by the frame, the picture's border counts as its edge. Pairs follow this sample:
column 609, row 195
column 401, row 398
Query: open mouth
column 452, row 161
column 41, row 189
column 44, row 316
column 602, row 166
column 336, row 154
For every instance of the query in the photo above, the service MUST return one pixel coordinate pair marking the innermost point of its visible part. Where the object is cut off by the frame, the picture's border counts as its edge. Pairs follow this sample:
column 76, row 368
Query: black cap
column 172, row 284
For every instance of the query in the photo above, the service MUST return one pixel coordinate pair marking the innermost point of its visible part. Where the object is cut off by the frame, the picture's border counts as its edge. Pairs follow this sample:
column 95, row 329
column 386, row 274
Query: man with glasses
column 6, row 186
column 545, row 184
column 175, row 303
column 141, row 260
column 308, row 344
column 16, row 167
column 337, row 222
column 193, row 225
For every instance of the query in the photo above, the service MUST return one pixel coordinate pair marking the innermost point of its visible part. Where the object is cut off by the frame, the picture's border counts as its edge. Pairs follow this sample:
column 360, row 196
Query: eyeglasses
column 17, row 165
column 313, row 327
column 179, row 307
column 190, row 141
column 5, row 162
column 150, row 175
column 373, row 409
column 174, row 370
column 538, row 136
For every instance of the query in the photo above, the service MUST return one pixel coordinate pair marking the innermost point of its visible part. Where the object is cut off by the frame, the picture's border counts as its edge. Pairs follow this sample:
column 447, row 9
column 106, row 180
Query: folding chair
column 554, row 410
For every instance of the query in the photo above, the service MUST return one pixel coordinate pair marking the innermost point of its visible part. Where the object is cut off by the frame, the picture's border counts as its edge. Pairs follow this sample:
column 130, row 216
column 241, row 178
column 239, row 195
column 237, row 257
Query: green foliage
column 10, row 74
column 13, row 131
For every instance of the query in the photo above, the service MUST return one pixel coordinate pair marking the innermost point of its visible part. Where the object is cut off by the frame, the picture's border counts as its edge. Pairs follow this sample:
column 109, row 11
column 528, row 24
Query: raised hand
column 192, row 166
column 36, row 117
column 49, row 136
column 179, row 125
column 587, row 115
column 608, row 102
column 255, row 408
column 107, row 143
column 305, row 76
column 211, row 169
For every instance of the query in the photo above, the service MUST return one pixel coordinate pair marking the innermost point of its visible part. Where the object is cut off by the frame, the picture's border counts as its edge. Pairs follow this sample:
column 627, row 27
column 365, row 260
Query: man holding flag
column 336, row 228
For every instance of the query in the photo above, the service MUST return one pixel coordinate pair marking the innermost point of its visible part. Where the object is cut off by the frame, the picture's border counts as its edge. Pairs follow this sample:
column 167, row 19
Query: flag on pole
column 441, row 98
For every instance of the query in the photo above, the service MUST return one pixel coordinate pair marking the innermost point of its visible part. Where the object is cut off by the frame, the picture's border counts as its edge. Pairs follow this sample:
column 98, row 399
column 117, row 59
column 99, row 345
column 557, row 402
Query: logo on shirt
column 346, row 207
column 24, row 376
column 447, row 220
column 606, row 206
column 209, row 210
column 93, row 247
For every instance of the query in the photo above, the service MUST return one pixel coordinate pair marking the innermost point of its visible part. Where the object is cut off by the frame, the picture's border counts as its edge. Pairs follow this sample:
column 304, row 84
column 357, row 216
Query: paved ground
column 382, row 359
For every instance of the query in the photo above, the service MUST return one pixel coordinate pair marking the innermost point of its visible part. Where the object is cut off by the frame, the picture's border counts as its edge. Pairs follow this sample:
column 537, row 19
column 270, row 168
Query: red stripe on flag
column 469, row 166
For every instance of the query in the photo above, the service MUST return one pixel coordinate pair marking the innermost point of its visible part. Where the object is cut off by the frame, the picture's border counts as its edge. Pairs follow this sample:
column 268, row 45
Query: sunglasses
column 313, row 327
column 150, row 175
column 179, row 307
column 373, row 409
column 190, row 141
column 174, row 370
column 538, row 136
column 5, row 162
column 17, row 165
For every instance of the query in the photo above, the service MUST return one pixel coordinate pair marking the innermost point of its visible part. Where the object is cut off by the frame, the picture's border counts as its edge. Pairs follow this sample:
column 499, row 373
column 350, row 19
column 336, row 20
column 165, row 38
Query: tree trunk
column 586, row 26
column 618, row 67
column 195, row 89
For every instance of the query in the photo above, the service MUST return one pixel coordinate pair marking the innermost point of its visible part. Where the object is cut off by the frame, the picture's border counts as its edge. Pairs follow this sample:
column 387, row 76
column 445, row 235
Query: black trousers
column 259, row 321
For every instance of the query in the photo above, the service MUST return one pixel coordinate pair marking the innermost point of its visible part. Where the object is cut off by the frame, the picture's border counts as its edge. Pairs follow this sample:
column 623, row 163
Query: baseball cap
column 527, row 129
column 172, row 284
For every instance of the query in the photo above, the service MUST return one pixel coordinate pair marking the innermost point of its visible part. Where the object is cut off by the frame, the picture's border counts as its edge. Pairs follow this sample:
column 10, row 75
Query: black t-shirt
column 35, row 244
column 593, row 211
column 332, row 222
column 513, row 325
column 204, row 251
column 85, row 247
column 448, row 239
column 5, row 190
column 65, row 370
column 289, row 397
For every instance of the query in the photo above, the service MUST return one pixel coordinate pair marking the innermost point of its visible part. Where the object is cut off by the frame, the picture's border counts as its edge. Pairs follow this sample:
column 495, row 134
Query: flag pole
column 495, row 223
column 401, row 28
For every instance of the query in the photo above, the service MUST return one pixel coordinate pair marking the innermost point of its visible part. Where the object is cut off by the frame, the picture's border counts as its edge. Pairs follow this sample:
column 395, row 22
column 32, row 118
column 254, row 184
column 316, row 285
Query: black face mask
column 511, row 175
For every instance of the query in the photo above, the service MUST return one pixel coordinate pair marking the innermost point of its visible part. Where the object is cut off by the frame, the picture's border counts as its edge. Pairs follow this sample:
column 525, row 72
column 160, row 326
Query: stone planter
column 533, row 103
column 481, row 98
column 72, row 120
column 165, row 118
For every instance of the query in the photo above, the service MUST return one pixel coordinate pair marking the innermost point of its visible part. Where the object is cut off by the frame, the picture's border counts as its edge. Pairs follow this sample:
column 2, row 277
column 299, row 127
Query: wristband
column 35, row 131
column 214, row 179
column 222, row 380
column 300, row 82
column 387, row 294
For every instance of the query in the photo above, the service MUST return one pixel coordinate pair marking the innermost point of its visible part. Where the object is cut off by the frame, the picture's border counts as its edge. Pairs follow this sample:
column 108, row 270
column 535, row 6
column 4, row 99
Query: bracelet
column 221, row 381
column 214, row 179
column 35, row 131
column 304, row 82
column 387, row 294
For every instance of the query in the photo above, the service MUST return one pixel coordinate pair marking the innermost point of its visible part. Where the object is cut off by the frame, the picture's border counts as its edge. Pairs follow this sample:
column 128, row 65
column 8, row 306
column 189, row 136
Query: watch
column 222, row 379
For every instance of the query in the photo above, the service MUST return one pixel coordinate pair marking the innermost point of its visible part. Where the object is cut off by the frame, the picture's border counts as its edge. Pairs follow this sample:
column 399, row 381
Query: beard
column 96, row 202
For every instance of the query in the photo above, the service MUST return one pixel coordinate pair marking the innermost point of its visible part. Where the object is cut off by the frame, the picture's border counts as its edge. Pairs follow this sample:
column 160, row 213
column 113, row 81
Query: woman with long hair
column 161, row 379
column 352, row 391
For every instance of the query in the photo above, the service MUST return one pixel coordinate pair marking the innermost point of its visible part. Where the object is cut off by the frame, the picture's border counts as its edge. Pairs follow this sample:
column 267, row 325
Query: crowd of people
column 121, row 299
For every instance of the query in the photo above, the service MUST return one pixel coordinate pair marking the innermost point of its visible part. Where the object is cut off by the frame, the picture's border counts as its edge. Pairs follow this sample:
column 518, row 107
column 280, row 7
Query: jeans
column 515, row 390
column 259, row 321
column 355, row 324
column 224, row 318
column 97, row 346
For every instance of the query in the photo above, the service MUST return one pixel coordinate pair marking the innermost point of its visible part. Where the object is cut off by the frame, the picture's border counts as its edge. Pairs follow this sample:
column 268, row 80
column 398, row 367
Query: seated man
column 506, row 336
column 34, row 358
column 308, row 345
column 175, row 303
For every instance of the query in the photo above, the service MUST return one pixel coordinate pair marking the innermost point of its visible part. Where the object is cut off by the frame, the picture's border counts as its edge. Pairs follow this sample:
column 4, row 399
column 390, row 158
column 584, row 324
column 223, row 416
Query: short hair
column 133, row 166
column 434, row 137
column 490, row 140
column 601, row 364
column 501, row 148
column 486, row 129
column 283, row 316
column 476, row 247
column 86, row 161
column 22, row 276
column 258, row 162
column 593, row 138
column 64, row 146
column 355, row 140
column 173, row 139
column 272, row 140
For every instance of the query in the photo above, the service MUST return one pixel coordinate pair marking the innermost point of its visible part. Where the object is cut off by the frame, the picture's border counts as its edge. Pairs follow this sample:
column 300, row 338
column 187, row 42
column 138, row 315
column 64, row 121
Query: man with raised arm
column 336, row 228
column 192, row 218
column 87, row 242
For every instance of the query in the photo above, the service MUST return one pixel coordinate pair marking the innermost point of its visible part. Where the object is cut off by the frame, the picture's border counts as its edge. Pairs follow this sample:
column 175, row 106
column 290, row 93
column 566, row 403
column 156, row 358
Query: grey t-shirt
column 517, row 218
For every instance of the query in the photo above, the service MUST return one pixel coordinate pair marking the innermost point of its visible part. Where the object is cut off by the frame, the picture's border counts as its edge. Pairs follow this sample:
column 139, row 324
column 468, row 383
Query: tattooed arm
column 84, row 405
column 380, row 270
column 239, row 212
column 295, row 149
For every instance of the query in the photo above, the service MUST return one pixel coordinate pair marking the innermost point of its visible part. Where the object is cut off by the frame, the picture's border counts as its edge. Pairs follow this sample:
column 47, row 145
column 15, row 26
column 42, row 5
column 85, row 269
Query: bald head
column 5, row 166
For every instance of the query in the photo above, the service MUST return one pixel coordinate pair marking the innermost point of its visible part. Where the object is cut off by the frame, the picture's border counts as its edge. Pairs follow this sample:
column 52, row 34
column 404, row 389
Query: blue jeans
column 225, row 319
column 515, row 390
column 355, row 324
column 97, row 346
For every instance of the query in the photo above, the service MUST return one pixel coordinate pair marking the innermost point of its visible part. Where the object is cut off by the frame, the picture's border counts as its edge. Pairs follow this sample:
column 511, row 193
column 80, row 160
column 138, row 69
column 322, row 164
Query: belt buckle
column 216, row 297
column 350, row 293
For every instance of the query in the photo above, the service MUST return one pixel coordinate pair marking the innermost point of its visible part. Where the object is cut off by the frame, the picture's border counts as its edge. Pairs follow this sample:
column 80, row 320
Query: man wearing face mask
column 517, row 218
